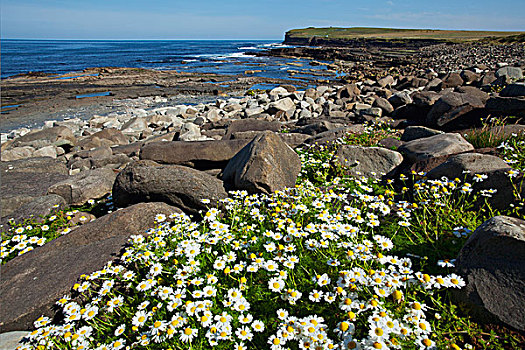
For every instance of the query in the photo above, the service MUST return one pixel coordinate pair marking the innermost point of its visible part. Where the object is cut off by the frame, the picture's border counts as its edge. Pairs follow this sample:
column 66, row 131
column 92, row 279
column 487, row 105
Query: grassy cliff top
column 400, row 34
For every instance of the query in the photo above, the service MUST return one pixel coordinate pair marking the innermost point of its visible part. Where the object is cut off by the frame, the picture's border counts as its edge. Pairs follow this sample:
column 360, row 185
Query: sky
column 246, row 19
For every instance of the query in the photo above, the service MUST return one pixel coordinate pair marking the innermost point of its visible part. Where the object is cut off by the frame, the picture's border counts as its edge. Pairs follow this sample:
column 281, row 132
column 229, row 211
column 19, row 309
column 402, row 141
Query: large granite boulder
column 435, row 146
column 368, row 161
column 492, row 262
column 25, row 180
column 57, row 136
column 197, row 154
column 31, row 283
column 266, row 164
column 89, row 184
column 183, row 187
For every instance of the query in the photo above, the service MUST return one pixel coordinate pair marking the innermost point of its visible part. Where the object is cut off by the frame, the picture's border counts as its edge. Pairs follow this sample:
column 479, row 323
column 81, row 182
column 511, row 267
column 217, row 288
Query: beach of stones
column 182, row 154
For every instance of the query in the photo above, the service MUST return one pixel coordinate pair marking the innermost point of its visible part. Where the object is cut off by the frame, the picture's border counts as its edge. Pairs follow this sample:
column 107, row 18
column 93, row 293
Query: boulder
column 251, row 125
column 183, row 187
column 369, row 161
column 47, row 151
column 89, row 184
column 386, row 81
column 506, row 106
column 451, row 80
column 383, row 103
column 349, row 91
column 452, row 106
column 513, row 90
column 266, row 164
column 399, row 99
column 57, row 136
column 27, row 179
column 285, row 105
column 435, row 146
column 466, row 165
column 492, row 262
column 418, row 132
column 31, row 283
column 514, row 73
column 107, row 137
column 17, row 153
column 199, row 154
column 10, row 340
column 113, row 161
column 37, row 208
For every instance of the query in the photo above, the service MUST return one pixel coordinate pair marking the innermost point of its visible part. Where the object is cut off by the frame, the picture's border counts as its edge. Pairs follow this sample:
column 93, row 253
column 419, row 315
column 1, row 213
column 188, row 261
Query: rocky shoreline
column 180, row 154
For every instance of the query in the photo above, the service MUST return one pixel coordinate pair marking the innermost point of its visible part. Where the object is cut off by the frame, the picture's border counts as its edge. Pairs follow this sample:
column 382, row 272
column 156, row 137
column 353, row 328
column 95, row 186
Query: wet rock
column 492, row 262
column 183, row 187
column 30, row 284
column 265, row 165
column 435, row 146
column 199, row 154
column 89, row 184
column 368, row 161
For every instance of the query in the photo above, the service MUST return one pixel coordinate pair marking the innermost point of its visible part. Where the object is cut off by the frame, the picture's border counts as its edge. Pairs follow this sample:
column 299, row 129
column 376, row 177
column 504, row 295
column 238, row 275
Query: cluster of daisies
column 299, row 269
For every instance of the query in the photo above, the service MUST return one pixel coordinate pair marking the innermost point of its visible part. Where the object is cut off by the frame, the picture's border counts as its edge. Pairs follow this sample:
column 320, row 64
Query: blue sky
column 247, row 19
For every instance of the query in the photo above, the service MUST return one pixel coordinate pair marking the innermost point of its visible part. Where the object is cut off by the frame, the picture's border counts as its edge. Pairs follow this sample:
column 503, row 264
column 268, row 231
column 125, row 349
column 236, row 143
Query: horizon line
column 185, row 39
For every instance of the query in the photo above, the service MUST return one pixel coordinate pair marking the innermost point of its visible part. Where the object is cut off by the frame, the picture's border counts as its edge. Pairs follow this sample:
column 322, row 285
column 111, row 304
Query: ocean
column 203, row 56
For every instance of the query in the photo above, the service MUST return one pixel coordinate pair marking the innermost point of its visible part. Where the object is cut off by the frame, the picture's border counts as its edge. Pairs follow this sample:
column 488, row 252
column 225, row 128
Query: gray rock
column 492, row 263
column 17, row 153
column 369, row 161
column 460, row 165
column 251, row 112
column 349, row 91
column 57, row 136
column 10, row 340
column 386, row 81
column 104, row 138
column 383, row 104
column 95, row 153
column 451, row 80
column 25, row 180
column 316, row 127
column 435, row 146
column 114, row 161
column 37, row 208
column 251, row 125
column 199, row 154
column 514, row 73
column 48, row 151
column 285, row 105
column 417, row 132
column 266, row 164
column 506, row 106
column 399, row 99
column 31, row 283
column 513, row 90
column 89, row 184
column 147, row 181
column 452, row 106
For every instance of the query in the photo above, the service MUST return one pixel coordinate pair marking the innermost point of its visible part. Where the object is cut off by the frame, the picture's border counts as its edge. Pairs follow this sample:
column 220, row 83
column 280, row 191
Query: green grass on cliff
column 400, row 34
